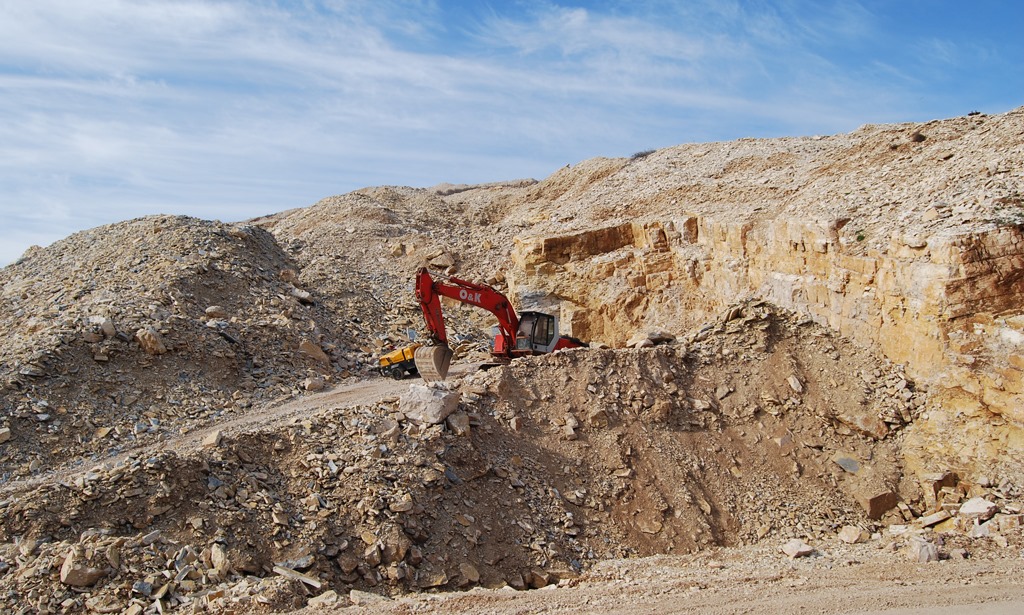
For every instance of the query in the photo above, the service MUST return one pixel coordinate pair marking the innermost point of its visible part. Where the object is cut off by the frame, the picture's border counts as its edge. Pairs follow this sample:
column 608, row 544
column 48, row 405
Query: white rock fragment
column 851, row 534
column 922, row 551
column 423, row 404
column 361, row 598
column 797, row 548
column 978, row 508
column 212, row 439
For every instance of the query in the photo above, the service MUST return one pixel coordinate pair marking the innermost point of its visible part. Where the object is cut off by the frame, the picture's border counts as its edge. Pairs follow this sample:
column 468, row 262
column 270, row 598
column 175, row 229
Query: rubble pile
column 540, row 470
column 137, row 330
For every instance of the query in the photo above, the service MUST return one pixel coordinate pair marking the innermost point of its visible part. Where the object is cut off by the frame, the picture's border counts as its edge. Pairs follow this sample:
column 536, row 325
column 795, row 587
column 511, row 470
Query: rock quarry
column 804, row 353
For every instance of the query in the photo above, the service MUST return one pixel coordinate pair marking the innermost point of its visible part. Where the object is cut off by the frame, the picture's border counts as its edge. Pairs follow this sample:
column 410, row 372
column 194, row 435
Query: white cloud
column 117, row 108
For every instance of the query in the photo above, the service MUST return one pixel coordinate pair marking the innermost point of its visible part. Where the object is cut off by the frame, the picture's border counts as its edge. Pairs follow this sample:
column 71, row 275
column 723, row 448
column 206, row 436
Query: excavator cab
column 537, row 333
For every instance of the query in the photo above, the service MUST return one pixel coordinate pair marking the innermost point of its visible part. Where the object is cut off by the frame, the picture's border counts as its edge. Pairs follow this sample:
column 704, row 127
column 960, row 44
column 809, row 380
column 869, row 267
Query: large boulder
column 424, row 404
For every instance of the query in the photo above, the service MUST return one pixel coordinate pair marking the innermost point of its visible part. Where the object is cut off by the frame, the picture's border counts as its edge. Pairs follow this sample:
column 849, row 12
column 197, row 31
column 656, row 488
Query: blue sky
column 113, row 109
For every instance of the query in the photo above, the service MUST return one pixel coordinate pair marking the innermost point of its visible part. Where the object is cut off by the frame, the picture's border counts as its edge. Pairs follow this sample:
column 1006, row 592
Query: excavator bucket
column 433, row 362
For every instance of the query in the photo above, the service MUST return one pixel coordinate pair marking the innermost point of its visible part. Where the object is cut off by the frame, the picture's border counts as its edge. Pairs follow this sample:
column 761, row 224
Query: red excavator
column 528, row 333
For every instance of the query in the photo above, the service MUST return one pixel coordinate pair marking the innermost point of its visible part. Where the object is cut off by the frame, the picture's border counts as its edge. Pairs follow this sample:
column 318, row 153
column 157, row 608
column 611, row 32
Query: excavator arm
column 433, row 360
column 429, row 292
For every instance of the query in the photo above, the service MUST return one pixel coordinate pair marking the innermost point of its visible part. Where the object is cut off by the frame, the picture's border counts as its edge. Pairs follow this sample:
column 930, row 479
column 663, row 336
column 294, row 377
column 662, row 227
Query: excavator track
column 433, row 362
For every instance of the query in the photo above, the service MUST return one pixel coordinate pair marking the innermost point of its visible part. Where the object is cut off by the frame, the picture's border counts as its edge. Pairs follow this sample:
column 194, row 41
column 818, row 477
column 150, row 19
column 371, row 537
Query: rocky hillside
column 789, row 337
column 906, row 238
column 137, row 330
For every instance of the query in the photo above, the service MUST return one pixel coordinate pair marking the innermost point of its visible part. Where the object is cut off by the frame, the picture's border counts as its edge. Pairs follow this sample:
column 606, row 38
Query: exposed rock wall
column 946, row 306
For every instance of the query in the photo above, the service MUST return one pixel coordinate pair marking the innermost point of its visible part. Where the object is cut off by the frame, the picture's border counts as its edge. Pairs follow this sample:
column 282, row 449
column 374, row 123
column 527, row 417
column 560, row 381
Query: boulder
column 362, row 598
column 423, row 404
column 216, row 311
column 922, row 551
column 459, row 423
column 314, row 351
column 328, row 598
column 797, row 548
column 851, row 534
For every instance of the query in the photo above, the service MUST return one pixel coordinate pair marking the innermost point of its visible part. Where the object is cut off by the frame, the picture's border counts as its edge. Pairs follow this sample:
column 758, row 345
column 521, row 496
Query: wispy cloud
column 231, row 109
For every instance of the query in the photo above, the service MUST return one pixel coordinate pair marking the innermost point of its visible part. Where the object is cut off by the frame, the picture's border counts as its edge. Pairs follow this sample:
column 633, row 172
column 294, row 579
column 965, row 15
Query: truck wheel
column 397, row 373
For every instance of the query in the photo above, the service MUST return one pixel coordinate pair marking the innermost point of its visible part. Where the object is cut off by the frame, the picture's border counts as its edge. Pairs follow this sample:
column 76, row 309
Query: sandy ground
column 852, row 579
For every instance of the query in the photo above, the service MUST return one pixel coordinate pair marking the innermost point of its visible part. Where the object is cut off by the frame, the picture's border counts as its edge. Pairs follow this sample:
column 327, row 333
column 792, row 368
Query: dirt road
column 256, row 418
column 858, row 579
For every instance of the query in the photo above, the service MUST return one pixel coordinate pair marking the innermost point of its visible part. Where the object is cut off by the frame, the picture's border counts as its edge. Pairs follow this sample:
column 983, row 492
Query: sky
column 232, row 109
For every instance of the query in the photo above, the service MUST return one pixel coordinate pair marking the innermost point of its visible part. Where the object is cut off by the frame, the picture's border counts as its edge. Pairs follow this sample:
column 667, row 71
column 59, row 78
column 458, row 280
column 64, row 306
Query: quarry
column 803, row 375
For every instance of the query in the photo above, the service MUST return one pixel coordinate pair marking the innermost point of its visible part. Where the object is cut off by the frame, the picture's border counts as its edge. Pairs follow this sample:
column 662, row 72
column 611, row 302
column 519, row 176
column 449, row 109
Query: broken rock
column 361, row 598
column 459, row 423
column 851, row 534
column 216, row 311
column 423, row 404
column 77, row 573
column 922, row 551
column 151, row 341
column 797, row 548
column 978, row 508
column 314, row 351
column 875, row 500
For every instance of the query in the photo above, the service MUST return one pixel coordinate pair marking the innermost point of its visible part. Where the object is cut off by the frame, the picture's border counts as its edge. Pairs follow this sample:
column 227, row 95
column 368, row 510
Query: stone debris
column 851, row 534
column 875, row 500
column 326, row 599
column 212, row 439
column 934, row 518
column 314, row 351
column 650, row 338
column 797, row 548
column 151, row 341
column 362, row 598
column 297, row 576
column 77, row 573
column 922, row 551
column 978, row 508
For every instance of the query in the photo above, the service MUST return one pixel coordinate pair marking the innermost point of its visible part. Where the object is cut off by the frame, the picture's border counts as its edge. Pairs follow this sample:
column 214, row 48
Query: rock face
column 934, row 285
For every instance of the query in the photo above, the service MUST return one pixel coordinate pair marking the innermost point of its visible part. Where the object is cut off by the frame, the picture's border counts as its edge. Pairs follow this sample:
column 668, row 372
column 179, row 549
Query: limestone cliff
column 908, row 238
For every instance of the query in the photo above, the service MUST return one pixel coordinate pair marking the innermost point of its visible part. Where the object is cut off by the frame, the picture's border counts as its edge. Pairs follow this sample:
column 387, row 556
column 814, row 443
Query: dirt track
column 262, row 418
column 858, row 579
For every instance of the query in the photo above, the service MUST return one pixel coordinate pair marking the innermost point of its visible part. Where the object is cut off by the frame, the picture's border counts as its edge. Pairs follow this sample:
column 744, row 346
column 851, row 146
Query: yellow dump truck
column 399, row 362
